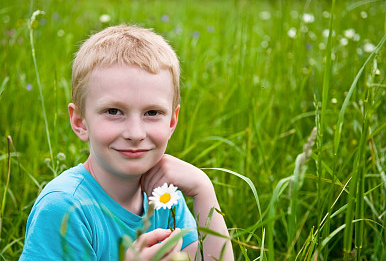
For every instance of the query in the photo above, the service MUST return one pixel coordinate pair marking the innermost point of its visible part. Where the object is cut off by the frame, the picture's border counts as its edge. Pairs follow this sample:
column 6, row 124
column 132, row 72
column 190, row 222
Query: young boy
column 125, row 105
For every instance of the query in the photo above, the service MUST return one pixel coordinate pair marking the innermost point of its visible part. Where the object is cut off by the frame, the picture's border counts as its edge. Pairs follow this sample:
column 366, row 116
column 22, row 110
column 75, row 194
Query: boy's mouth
column 132, row 154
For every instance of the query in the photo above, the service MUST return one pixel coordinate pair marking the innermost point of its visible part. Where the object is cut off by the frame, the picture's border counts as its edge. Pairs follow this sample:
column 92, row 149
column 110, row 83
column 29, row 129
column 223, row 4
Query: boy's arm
column 203, row 202
column 193, row 183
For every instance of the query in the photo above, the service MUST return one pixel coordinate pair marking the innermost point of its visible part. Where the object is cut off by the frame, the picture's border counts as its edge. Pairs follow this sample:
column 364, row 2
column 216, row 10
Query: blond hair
column 123, row 45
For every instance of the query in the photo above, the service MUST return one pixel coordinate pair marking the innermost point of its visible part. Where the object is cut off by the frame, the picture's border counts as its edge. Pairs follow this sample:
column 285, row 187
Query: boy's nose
column 134, row 130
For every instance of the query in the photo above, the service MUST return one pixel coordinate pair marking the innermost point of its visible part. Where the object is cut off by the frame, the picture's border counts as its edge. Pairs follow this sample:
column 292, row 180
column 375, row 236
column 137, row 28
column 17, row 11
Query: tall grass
column 257, row 76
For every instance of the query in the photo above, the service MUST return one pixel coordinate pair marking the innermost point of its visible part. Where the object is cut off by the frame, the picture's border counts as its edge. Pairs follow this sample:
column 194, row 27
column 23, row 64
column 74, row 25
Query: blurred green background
column 252, row 90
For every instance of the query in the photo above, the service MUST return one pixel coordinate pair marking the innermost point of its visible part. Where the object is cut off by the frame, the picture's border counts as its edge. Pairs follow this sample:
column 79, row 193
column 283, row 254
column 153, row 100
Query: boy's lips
column 133, row 153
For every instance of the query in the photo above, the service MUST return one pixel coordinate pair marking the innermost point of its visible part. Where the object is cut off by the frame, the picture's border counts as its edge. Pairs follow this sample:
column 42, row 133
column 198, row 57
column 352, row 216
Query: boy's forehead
column 122, row 78
column 129, row 68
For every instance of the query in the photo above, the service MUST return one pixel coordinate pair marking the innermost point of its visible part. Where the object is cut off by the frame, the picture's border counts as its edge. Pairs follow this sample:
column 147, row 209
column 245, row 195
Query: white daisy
column 369, row 47
column 105, row 18
column 308, row 18
column 349, row 33
column 164, row 197
column 343, row 41
column 291, row 32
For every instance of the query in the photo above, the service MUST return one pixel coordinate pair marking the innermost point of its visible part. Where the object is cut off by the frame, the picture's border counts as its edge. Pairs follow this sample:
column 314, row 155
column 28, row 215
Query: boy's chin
column 133, row 173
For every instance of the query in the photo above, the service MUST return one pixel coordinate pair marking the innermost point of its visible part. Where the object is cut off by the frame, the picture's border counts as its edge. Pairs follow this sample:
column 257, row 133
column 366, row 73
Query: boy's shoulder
column 68, row 184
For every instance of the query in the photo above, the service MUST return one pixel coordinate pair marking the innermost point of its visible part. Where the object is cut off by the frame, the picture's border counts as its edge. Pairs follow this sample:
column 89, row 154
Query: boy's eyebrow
column 106, row 102
column 109, row 103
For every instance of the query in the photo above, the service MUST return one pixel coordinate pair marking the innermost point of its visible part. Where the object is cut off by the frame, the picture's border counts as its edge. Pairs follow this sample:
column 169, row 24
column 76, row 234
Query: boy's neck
column 126, row 192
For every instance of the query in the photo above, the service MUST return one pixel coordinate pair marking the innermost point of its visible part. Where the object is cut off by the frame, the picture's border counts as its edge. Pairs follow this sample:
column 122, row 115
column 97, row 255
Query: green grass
column 250, row 97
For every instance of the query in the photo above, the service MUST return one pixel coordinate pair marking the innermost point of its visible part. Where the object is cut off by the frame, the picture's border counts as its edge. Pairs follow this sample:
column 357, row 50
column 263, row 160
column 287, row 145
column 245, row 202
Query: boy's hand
column 147, row 245
column 193, row 183
column 188, row 178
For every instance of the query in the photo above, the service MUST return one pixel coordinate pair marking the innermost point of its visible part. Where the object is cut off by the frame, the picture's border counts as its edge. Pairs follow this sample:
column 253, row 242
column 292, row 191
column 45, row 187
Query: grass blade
column 3, row 84
column 168, row 245
column 31, row 24
column 339, row 124
column 248, row 181
column 357, row 182
column 321, row 122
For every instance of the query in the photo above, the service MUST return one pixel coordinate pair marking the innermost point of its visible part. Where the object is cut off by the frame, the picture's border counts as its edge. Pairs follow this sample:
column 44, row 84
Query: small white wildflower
column 61, row 156
column 363, row 14
column 356, row 38
column 308, row 18
column 326, row 33
column 334, row 100
column 377, row 72
column 322, row 46
column 60, row 33
column 369, row 47
column 291, row 32
column 164, row 197
column 349, row 33
column 265, row 15
column 343, row 41
column 105, row 18
column 326, row 14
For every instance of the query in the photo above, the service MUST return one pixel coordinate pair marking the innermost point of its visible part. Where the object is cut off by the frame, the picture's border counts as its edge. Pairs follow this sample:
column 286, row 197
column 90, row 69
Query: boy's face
column 128, row 119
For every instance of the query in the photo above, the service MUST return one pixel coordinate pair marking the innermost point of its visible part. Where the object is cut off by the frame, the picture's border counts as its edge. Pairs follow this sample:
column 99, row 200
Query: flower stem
column 174, row 218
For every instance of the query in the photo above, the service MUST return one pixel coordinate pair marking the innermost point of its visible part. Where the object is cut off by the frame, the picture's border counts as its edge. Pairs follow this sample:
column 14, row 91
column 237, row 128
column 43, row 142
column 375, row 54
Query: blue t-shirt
column 75, row 219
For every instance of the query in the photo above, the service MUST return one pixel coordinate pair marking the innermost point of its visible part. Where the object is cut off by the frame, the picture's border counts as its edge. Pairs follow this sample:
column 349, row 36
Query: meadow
column 257, row 77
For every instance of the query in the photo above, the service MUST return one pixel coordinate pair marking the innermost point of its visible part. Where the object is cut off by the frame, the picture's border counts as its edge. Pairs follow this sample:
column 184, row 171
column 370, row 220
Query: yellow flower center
column 165, row 198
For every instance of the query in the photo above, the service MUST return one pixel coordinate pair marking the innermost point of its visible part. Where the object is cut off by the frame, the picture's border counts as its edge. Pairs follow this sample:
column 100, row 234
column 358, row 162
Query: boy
column 125, row 105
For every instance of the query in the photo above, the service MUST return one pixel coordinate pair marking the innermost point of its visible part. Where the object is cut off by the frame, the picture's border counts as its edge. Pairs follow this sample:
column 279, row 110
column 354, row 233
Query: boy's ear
column 174, row 120
column 77, row 122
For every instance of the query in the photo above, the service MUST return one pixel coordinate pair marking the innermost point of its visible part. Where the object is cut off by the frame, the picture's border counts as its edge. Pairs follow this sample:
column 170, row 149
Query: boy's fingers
column 153, row 237
column 147, row 244
column 175, row 248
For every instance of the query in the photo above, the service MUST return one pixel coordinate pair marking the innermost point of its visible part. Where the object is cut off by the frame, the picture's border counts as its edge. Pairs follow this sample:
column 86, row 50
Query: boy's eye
column 113, row 111
column 151, row 113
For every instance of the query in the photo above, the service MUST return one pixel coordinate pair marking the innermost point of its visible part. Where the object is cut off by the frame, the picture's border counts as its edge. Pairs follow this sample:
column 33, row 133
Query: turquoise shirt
column 75, row 219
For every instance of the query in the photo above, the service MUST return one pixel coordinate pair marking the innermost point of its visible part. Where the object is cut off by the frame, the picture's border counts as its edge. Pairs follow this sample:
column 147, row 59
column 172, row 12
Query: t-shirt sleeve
column 57, row 229
column 185, row 220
